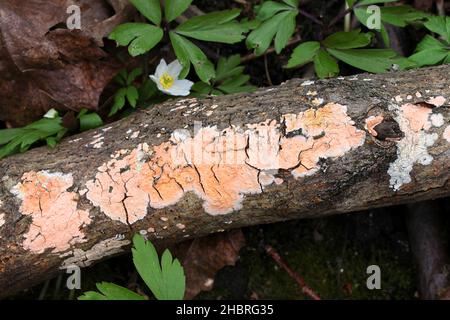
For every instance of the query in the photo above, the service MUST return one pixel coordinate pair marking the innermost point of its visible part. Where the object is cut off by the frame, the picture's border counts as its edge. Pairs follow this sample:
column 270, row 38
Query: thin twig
column 294, row 275
column 266, row 67
column 341, row 15
column 310, row 17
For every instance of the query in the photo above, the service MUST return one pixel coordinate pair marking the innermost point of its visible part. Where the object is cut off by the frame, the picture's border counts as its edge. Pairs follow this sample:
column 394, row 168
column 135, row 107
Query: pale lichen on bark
column 100, row 250
column 415, row 121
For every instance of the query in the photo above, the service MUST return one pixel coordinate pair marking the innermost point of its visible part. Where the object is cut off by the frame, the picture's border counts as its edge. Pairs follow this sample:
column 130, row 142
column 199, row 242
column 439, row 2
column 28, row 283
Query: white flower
column 51, row 114
column 166, row 78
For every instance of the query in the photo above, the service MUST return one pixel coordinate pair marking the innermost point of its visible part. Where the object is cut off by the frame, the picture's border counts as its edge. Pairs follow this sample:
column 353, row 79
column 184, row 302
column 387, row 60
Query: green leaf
column 119, row 101
column 45, row 125
column 371, row 60
column 285, row 31
column 51, row 142
column 217, row 27
column 292, row 3
column 150, row 9
column 165, row 280
column 21, row 139
column 7, row 135
column 303, row 53
column 348, row 40
column 401, row 16
column 92, row 295
column 121, row 77
column 324, row 65
column 429, row 57
column 439, row 25
column 269, row 8
column 173, row 276
column 228, row 67
column 260, row 38
column 132, row 95
column 111, row 291
column 147, row 90
column 187, row 52
column 133, row 75
column 428, row 42
column 202, row 88
column 141, row 37
column 367, row 2
column 173, row 8
column 90, row 121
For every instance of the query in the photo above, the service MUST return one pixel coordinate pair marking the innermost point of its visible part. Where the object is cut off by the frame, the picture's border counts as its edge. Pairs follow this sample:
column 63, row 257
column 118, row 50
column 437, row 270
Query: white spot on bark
column 135, row 135
column 437, row 120
column 179, row 135
column 307, row 83
column 2, row 219
column 317, row 101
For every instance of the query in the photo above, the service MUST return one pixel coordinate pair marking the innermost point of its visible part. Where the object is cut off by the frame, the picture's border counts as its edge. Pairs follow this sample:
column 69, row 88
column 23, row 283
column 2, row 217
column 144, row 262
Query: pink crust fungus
column 56, row 219
column 414, row 122
column 438, row 101
column 447, row 134
column 220, row 166
column 371, row 123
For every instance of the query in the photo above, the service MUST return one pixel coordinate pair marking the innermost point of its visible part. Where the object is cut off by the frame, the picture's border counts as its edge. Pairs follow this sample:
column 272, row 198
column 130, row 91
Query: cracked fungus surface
column 56, row 220
column 220, row 166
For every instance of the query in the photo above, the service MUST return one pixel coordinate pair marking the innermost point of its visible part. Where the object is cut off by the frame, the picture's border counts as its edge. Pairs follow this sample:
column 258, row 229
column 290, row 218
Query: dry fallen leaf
column 203, row 257
column 44, row 65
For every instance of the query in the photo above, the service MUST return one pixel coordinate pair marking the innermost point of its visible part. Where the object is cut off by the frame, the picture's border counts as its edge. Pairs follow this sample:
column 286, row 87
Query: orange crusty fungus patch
column 371, row 123
column 56, row 219
column 220, row 166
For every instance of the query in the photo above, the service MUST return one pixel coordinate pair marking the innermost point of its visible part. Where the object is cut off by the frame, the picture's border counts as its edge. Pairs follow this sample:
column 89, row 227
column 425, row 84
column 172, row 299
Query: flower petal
column 174, row 68
column 158, row 84
column 161, row 68
column 180, row 88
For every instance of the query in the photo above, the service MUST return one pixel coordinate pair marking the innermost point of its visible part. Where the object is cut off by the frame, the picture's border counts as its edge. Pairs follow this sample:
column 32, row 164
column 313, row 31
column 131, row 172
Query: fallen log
column 190, row 167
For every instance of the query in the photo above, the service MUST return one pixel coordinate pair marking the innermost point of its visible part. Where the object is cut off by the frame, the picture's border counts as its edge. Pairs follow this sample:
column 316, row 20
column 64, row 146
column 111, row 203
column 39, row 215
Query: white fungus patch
column 97, row 143
column 412, row 148
column 317, row 101
column 179, row 135
column 102, row 249
column 2, row 219
column 307, row 83
column 437, row 120
column 135, row 135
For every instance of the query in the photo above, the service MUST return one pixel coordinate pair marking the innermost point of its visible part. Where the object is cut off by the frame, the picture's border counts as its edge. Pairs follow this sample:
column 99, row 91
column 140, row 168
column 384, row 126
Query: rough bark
column 355, row 169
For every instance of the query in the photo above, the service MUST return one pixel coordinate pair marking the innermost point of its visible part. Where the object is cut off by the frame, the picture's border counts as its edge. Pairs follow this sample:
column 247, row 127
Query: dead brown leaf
column 43, row 65
column 202, row 258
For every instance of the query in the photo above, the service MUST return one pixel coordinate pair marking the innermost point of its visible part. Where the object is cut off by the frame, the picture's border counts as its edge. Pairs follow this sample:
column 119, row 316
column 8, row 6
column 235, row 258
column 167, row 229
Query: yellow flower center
column 166, row 81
